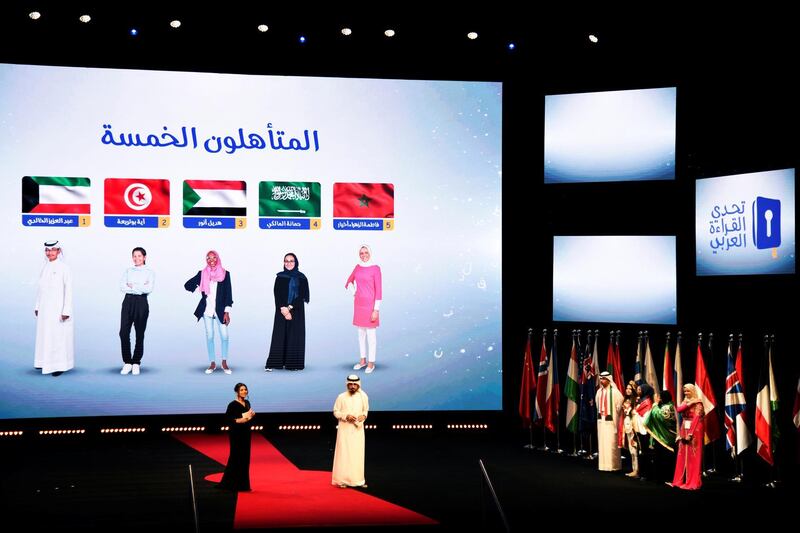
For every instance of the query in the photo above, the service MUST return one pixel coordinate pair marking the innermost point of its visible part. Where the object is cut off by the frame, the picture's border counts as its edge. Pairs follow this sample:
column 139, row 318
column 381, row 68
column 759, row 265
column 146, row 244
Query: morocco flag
column 214, row 198
column 363, row 200
column 136, row 196
column 55, row 194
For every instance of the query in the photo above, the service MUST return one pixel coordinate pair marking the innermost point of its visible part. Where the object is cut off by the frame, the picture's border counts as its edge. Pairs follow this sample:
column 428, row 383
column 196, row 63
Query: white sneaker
column 359, row 366
column 370, row 369
column 135, row 370
column 126, row 369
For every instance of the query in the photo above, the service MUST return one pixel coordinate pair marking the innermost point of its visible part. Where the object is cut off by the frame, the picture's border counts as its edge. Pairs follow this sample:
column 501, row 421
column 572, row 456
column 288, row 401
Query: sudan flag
column 51, row 194
column 363, row 200
column 214, row 198
column 136, row 196
column 288, row 199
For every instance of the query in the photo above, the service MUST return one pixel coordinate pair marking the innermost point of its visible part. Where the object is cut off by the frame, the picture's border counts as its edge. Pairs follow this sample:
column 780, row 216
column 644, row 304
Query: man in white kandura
column 55, row 338
column 351, row 409
column 608, row 401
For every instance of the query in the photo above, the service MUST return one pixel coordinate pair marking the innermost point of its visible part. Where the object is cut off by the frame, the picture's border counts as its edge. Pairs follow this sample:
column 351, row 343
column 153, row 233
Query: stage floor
column 135, row 482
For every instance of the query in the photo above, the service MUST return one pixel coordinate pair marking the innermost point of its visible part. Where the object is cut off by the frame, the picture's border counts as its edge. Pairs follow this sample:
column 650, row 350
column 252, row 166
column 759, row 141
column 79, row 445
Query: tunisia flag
column 136, row 196
column 363, row 200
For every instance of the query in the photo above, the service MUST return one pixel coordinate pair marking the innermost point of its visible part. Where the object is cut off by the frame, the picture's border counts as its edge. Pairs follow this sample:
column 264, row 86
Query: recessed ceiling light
column 389, row 33
column 593, row 37
column 262, row 28
column 84, row 18
column 472, row 35
column 35, row 15
column 347, row 31
column 175, row 23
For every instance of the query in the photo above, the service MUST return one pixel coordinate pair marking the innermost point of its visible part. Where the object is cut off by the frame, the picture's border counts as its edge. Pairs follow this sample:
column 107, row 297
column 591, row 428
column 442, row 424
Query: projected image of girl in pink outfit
column 366, row 279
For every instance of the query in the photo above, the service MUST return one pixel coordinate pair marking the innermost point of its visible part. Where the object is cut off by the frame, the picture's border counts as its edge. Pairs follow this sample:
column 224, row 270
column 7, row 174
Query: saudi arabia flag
column 289, row 199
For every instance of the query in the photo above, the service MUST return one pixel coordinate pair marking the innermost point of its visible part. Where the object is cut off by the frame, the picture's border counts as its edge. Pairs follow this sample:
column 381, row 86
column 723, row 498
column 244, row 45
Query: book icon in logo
column 766, row 223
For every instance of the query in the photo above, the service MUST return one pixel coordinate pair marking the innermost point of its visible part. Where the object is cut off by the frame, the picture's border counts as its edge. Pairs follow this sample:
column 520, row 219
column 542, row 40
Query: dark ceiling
column 430, row 41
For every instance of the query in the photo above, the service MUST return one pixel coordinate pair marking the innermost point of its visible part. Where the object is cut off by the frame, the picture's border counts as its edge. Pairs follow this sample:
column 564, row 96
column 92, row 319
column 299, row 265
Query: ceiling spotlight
column 389, row 33
column 262, row 28
column 134, row 32
column 302, row 39
column 84, row 18
column 175, row 23
column 511, row 46
column 35, row 15
column 346, row 31
column 472, row 35
column 593, row 37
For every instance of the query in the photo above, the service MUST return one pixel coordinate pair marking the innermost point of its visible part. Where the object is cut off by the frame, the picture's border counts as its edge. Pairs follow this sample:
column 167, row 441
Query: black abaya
column 288, row 347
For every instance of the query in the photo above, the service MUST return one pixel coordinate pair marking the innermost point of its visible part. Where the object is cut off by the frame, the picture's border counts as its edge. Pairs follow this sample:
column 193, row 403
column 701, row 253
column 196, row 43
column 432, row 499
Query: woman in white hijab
column 366, row 278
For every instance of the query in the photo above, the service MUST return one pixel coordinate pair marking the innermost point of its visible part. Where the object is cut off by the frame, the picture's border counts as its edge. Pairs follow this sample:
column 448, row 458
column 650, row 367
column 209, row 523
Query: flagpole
column 678, row 386
column 775, row 469
column 741, row 383
column 664, row 368
column 596, row 337
column 767, row 349
column 544, row 429
column 554, row 379
column 737, row 460
column 620, row 386
column 713, row 468
column 582, row 451
column 702, row 446
column 576, row 340
column 529, row 446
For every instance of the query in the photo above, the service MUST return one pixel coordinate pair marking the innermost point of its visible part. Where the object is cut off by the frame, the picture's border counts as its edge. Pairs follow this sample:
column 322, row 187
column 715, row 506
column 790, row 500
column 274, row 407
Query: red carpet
column 285, row 496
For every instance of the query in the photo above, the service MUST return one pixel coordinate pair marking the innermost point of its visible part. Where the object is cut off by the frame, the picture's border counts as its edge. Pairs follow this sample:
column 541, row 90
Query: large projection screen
column 423, row 158
column 629, row 279
column 610, row 136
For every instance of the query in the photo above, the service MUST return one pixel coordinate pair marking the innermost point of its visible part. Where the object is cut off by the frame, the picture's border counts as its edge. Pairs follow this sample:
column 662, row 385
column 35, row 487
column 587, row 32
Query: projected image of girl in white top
column 137, row 282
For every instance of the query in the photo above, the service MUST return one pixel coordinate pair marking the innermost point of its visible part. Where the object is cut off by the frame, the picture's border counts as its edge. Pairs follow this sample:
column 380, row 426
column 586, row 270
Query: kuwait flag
column 136, row 196
column 49, row 194
column 288, row 199
column 214, row 198
column 363, row 200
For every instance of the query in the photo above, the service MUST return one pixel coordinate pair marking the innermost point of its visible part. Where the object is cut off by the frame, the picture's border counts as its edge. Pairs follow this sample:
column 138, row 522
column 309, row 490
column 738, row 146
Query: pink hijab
column 207, row 275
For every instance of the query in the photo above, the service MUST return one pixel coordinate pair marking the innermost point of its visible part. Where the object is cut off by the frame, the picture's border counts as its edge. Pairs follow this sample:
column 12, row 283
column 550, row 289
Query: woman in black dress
column 238, row 415
column 288, row 347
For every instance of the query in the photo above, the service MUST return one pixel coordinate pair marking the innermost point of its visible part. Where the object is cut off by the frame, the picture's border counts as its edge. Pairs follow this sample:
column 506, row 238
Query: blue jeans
column 209, row 322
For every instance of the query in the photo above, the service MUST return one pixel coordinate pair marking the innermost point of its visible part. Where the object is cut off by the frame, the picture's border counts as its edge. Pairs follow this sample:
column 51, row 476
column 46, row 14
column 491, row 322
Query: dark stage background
column 737, row 113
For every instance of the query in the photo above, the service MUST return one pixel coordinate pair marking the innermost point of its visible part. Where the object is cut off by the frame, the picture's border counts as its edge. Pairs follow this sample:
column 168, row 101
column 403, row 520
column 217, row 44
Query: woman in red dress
column 689, row 465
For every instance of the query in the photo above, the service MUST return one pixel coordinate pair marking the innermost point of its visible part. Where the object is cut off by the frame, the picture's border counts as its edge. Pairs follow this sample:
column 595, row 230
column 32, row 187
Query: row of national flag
column 540, row 392
column 151, row 196
column 541, row 396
